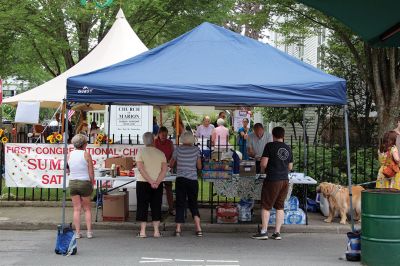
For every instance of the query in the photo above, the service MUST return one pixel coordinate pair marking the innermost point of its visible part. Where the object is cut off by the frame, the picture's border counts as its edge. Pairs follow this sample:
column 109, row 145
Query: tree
column 291, row 116
column 340, row 62
column 378, row 67
column 375, row 83
column 40, row 39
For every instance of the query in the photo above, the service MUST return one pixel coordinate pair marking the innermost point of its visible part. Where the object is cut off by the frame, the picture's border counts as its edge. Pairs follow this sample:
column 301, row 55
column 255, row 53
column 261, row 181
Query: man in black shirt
column 276, row 162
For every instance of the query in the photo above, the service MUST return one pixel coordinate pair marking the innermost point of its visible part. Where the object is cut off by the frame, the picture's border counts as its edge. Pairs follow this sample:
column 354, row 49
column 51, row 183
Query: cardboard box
column 227, row 214
column 115, row 207
column 247, row 168
column 126, row 163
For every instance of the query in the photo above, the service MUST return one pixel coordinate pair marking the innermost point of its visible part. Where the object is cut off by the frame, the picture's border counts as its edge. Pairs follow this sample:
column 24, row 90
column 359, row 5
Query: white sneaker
column 89, row 234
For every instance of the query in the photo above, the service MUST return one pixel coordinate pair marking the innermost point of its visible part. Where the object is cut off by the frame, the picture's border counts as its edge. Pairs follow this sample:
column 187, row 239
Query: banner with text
column 238, row 117
column 42, row 165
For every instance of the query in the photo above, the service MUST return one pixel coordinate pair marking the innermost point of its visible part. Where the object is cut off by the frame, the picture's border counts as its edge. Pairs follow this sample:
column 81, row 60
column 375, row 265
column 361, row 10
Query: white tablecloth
column 122, row 180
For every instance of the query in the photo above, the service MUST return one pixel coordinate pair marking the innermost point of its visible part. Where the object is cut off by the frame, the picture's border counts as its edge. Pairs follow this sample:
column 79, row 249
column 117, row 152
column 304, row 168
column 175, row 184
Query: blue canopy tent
column 202, row 67
column 211, row 65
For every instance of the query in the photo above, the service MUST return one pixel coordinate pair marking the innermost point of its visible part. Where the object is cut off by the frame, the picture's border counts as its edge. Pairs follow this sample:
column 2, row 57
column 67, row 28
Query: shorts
column 80, row 188
column 273, row 194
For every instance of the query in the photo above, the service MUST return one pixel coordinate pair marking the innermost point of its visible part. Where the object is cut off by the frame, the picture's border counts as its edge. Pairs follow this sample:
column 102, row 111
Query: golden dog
column 339, row 200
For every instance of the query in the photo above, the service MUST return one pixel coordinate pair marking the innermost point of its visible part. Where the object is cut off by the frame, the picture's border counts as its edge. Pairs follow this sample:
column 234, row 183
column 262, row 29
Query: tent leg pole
column 109, row 130
column 161, row 118
column 63, row 118
column 346, row 126
column 65, row 164
column 305, row 163
column 177, row 124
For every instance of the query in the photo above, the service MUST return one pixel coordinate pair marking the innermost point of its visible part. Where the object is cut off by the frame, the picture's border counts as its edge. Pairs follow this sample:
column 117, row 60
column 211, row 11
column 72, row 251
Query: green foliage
column 328, row 163
column 41, row 39
column 288, row 116
column 340, row 62
column 8, row 112
column 188, row 117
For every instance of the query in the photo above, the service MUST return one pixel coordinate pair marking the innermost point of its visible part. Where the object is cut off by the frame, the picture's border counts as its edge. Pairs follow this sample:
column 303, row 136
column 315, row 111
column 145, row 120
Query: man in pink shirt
column 220, row 135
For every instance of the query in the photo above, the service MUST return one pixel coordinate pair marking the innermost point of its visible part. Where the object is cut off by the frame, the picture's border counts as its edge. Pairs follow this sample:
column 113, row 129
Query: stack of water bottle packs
column 245, row 208
column 293, row 214
column 217, row 170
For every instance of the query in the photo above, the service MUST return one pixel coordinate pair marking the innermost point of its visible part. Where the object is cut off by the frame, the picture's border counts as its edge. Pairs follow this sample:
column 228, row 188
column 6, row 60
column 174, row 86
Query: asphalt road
column 122, row 248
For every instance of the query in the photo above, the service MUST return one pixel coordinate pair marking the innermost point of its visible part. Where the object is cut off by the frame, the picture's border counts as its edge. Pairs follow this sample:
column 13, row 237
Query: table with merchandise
column 249, row 187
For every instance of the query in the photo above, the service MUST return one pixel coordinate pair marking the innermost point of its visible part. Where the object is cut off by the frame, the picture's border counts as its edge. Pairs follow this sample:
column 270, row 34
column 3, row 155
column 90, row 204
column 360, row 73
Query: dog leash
column 366, row 183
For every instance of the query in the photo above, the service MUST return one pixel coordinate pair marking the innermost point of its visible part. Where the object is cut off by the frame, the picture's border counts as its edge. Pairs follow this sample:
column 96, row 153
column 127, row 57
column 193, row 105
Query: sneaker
column 260, row 236
column 276, row 236
column 89, row 234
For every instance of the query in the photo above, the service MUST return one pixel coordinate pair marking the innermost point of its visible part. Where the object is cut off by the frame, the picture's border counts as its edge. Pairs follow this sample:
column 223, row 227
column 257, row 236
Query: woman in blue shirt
column 243, row 136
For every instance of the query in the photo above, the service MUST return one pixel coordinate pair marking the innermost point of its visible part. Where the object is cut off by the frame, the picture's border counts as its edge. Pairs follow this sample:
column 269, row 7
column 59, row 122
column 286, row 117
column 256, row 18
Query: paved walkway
column 118, row 247
column 45, row 215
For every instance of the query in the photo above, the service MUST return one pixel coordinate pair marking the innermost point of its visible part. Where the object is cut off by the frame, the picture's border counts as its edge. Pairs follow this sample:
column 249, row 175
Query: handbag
column 390, row 169
column 66, row 241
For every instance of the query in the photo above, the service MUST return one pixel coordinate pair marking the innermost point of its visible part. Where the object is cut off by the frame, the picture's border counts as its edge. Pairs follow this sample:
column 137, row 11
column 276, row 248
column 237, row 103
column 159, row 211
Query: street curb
column 170, row 227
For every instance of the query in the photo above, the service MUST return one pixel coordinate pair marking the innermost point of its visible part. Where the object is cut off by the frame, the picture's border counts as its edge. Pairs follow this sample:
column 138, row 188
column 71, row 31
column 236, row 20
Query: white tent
column 120, row 43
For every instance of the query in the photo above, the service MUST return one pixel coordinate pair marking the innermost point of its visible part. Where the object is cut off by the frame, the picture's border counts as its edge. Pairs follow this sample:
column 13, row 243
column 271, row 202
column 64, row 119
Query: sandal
column 78, row 236
column 138, row 235
column 199, row 233
column 177, row 234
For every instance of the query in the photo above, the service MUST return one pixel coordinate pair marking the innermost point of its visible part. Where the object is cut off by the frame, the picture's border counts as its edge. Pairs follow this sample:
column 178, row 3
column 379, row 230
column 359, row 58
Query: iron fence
column 326, row 162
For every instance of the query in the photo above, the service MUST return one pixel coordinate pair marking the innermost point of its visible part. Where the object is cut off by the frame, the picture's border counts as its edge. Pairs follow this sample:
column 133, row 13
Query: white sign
column 238, row 119
column 42, row 165
column 27, row 112
column 130, row 120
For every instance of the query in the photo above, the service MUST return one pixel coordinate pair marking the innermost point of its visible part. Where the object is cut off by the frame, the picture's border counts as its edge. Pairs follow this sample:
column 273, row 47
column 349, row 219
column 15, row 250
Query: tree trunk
column 83, row 29
column 294, row 130
column 383, row 65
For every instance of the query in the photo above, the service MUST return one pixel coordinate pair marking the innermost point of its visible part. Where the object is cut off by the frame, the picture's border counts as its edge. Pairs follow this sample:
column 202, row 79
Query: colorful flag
column 70, row 114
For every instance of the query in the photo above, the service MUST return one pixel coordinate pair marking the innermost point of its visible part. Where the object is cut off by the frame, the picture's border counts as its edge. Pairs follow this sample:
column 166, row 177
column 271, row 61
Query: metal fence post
column 346, row 127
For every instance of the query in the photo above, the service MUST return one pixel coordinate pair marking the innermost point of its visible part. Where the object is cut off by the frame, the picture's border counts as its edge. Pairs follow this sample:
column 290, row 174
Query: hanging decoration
column 99, row 4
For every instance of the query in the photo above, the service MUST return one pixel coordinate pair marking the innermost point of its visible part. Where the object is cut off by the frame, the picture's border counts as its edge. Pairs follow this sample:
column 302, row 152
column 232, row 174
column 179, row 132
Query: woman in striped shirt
column 188, row 159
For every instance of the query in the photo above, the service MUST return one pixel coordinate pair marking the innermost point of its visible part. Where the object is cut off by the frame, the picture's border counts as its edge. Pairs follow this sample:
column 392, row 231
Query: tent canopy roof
column 377, row 22
column 120, row 43
column 209, row 65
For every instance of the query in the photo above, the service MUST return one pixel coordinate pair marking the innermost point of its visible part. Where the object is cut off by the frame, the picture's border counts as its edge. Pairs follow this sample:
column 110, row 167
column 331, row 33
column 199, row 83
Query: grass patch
column 32, row 194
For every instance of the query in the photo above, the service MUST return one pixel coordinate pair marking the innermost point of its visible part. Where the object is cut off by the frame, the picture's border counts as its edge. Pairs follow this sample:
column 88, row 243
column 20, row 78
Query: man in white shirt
column 256, row 143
